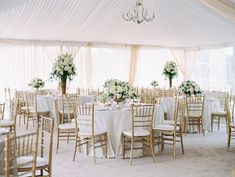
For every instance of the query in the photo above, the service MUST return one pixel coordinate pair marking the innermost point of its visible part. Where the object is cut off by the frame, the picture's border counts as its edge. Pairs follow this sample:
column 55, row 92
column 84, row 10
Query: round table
column 114, row 122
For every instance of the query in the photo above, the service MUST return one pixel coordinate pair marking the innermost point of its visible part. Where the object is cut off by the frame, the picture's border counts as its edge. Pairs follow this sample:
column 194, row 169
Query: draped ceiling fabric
column 181, row 23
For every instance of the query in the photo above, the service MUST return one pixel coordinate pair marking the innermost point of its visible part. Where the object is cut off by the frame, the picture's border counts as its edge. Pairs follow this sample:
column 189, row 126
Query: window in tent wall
column 150, row 67
column 110, row 63
column 19, row 64
column 213, row 69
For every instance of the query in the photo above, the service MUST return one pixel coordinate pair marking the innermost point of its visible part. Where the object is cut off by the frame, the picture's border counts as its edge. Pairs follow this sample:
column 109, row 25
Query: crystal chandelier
column 138, row 14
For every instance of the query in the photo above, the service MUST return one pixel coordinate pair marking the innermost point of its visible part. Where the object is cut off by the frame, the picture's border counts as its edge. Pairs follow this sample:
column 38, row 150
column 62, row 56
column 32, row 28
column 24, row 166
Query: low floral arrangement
column 170, row 70
column 154, row 83
column 37, row 83
column 64, row 67
column 189, row 88
column 118, row 90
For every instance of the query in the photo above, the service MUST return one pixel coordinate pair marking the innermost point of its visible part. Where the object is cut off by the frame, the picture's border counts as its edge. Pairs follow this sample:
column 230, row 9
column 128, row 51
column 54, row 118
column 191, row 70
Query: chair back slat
column 142, row 116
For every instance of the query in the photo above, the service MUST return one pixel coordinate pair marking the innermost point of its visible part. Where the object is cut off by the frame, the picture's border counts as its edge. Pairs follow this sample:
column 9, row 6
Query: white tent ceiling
column 178, row 23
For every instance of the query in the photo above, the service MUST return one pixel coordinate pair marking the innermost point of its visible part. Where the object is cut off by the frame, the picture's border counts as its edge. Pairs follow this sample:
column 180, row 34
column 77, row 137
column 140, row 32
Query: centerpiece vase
column 63, row 85
column 170, row 82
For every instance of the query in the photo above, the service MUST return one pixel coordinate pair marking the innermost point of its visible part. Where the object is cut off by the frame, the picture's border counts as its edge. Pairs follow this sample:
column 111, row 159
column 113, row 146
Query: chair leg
column 182, row 143
column 75, row 151
column 20, row 119
column 68, row 138
column 152, row 146
column 162, row 142
column 123, row 146
column 218, row 122
column 229, row 139
column 58, row 141
column 132, row 149
column 186, row 126
column 174, row 144
column 94, row 153
column 203, row 132
column 106, row 146
column 27, row 121
column 212, row 121
column 87, row 147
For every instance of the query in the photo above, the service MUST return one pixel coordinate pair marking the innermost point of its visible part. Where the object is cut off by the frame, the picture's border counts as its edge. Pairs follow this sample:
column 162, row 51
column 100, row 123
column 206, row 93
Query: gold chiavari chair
column 141, row 132
column 10, row 125
column 26, row 150
column 223, row 99
column 86, row 132
column 67, row 112
column 194, row 115
column 46, row 146
column 65, row 131
column 9, row 164
column 32, row 113
column 44, row 160
column 169, row 131
column 230, row 127
column 21, row 108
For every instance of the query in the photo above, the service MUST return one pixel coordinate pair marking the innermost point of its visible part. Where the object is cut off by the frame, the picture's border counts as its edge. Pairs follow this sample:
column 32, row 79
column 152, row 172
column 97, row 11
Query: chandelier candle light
column 138, row 14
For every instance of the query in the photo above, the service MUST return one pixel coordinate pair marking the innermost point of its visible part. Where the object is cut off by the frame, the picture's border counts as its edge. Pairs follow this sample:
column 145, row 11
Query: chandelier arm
column 138, row 14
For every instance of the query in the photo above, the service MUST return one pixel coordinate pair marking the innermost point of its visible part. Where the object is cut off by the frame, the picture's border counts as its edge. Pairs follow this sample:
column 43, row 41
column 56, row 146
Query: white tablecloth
column 210, row 105
column 46, row 102
column 115, row 121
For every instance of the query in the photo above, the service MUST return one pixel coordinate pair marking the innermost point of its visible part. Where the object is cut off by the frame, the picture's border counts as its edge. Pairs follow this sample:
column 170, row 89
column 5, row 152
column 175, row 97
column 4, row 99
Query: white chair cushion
column 193, row 114
column 67, row 126
column 67, row 111
column 170, row 122
column 6, row 123
column 165, row 127
column 137, row 132
column 89, row 133
column 41, row 162
column 232, row 124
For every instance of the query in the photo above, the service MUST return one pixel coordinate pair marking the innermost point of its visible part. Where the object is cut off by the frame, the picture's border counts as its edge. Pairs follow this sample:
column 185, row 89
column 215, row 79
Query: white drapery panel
column 133, row 64
column 97, row 63
column 225, row 8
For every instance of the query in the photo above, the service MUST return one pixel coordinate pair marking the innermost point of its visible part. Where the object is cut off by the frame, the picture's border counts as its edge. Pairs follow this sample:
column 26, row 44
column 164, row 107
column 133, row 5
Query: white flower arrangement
column 154, row 83
column 118, row 90
column 189, row 88
column 37, row 83
column 170, row 70
column 63, row 68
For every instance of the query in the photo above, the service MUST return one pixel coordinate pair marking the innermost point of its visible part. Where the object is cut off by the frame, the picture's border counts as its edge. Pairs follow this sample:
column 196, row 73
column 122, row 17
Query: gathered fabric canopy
column 184, row 23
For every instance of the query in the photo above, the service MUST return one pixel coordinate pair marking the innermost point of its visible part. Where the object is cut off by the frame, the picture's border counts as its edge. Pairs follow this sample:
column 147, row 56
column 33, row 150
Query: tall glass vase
column 63, row 85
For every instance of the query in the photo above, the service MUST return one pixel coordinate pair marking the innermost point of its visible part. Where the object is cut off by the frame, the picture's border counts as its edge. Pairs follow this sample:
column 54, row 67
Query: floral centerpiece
column 189, row 88
column 118, row 90
column 170, row 71
column 154, row 84
column 37, row 83
column 63, row 69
